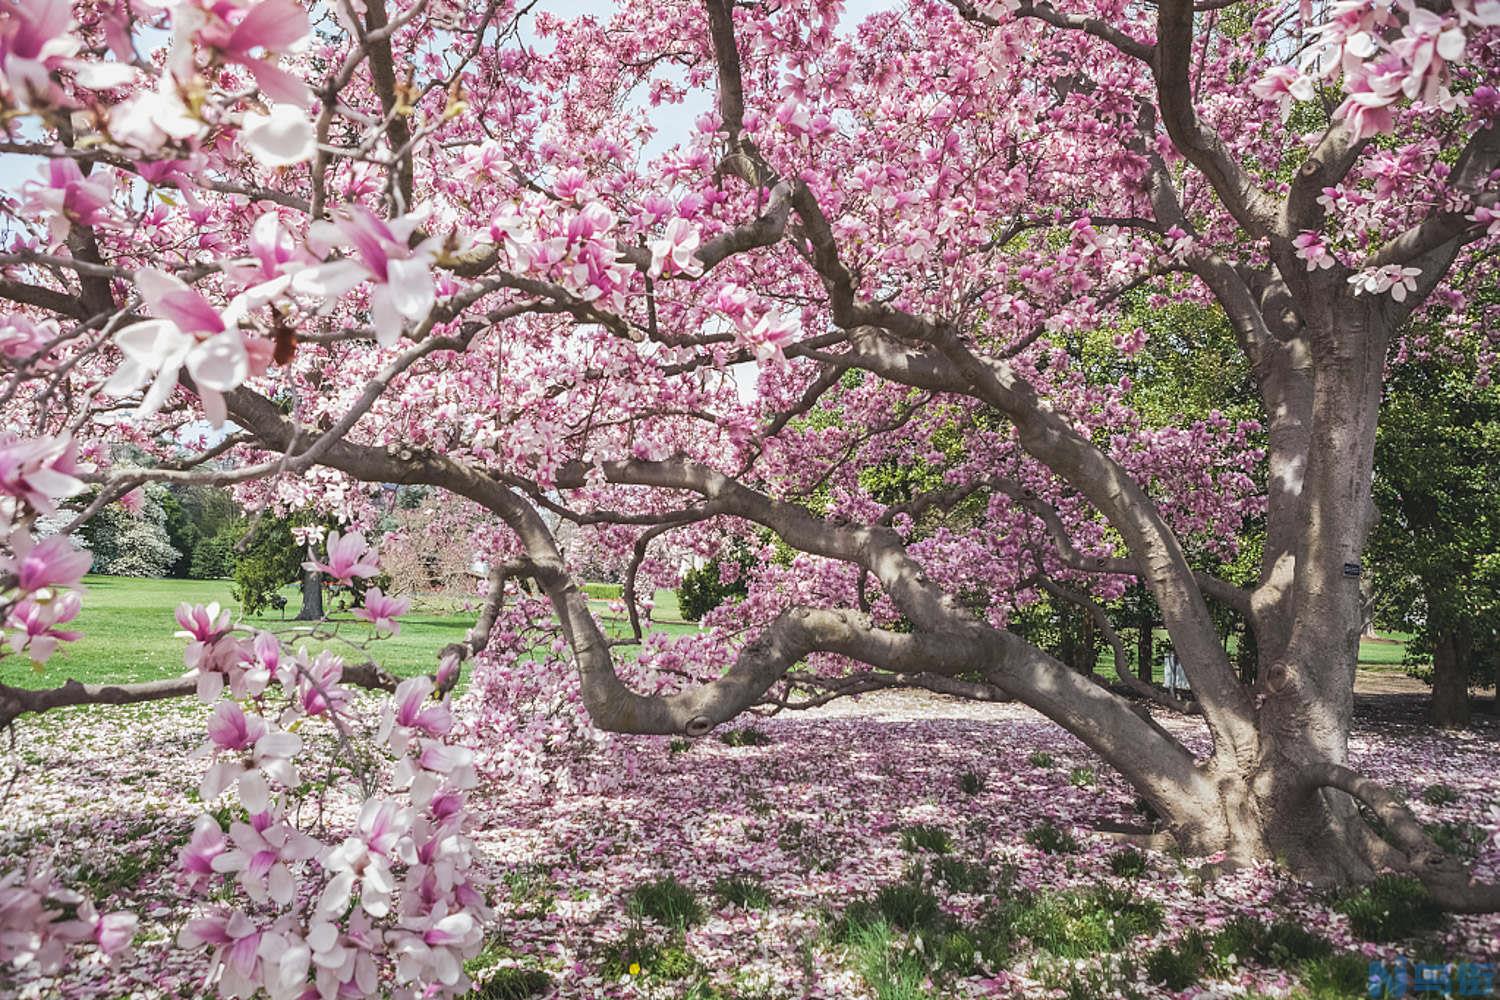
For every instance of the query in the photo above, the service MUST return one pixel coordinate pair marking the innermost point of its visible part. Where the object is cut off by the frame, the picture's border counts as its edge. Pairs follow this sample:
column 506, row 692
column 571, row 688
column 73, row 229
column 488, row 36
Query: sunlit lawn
column 128, row 627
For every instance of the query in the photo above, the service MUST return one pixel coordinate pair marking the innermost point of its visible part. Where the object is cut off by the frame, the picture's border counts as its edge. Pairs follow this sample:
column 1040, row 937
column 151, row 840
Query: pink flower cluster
column 39, row 578
column 36, row 930
column 395, row 900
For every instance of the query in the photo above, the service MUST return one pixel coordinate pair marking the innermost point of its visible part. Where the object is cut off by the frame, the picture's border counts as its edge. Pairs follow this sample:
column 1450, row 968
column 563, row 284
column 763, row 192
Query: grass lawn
column 128, row 625
column 1385, row 653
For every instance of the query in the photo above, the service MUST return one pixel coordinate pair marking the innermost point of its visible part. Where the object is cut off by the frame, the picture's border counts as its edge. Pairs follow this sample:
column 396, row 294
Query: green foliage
column 1282, row 943
column 745, row 891
column 891, row 971
column 744, row 736
column 971, row 782
column 1346, row 974
column 604, row 591
column 513, row 983
column 1434, row 554
column 667, row 901
column 1179, row 964
column 1039, row 758
column 926, row 838
column 1440, row 794
column 960, row 875
column 268, row 559
column 651, row 958
column 1082, row 777
column 1128, row 862
column 1463, row 840
column 1082, row 923
column 704, row 589
column 1391, row 908
column 202, row 523
column 1046, row 836
column 1114, row 976
column 213, row 558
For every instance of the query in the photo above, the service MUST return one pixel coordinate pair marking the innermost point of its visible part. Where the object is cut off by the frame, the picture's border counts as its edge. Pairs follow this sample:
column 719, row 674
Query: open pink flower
column 381, row 610
column 52, row 562
column 207, row 843
column 235, row 939
column 34, row 625
column 362, row 863
column 402, row 275
column 411, row 713
column 676, row 248
column 134, row 501
column 264, row 853
column 189, row 332
column 39, row 471
column 66, row 198
column 252, row 36
column 34, row 40
column 349, row 555
column 1311, row 248
column 246, row 750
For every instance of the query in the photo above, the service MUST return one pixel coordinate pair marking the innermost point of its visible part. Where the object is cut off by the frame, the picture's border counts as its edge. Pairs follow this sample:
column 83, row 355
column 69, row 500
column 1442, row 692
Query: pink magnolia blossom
column 252, row 35
column 266, row 851
column 190, row 332
column 410, row 713
column 34, row 40
column 235, row 939
column 52, row 562
column 677, row 249
column 402, row 276
column 1391, row 278
column 381, row 610
column 1285, row 86
column 66, row 198
column 349, row 556
column 362, row 863
column 247, row 751
column 280, row 138
column 39, row 471
column 133, row 501
column 1311, row 248
column 206, row 844
column 33, row 625
column 21, row 337
column 769, row 333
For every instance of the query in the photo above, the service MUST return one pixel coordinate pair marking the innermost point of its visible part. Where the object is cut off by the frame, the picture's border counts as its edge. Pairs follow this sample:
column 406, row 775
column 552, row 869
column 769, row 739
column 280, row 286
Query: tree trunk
column 1450, row 678
column 312, row 596
column 1143, row 646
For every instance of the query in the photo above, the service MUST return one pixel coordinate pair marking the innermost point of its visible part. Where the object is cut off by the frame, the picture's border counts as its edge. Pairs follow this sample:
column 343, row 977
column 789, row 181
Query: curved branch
column 15, row 702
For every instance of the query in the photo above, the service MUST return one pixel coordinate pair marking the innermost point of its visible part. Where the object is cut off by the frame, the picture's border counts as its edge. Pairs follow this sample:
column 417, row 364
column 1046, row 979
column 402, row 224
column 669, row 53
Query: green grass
column 744, row 891
column 128, row 625
column 1372, row 653
column 668, row 902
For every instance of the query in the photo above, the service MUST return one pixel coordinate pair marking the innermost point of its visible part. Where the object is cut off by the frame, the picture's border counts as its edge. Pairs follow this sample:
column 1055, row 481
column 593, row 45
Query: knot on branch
column 698, row 725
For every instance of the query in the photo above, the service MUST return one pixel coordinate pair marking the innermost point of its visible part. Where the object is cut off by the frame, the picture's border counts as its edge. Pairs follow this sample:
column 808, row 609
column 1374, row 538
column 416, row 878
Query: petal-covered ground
column 904, row 846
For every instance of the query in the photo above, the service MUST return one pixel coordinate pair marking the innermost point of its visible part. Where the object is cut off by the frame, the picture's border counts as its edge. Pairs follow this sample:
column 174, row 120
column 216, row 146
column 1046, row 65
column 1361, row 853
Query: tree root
column 1405, row 846
column 1136, row 836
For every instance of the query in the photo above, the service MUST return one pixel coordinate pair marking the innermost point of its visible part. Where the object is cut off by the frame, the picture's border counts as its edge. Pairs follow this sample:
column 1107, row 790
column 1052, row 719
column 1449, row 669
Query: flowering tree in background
column 301, row 250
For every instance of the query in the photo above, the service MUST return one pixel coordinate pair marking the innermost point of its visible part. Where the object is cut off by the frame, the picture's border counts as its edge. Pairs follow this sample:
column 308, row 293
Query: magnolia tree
column 311, row 251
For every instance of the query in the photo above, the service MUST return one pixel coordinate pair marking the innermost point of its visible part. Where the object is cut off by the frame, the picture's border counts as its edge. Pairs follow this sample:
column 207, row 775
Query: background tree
column 132, row 542
column 1435, row 551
